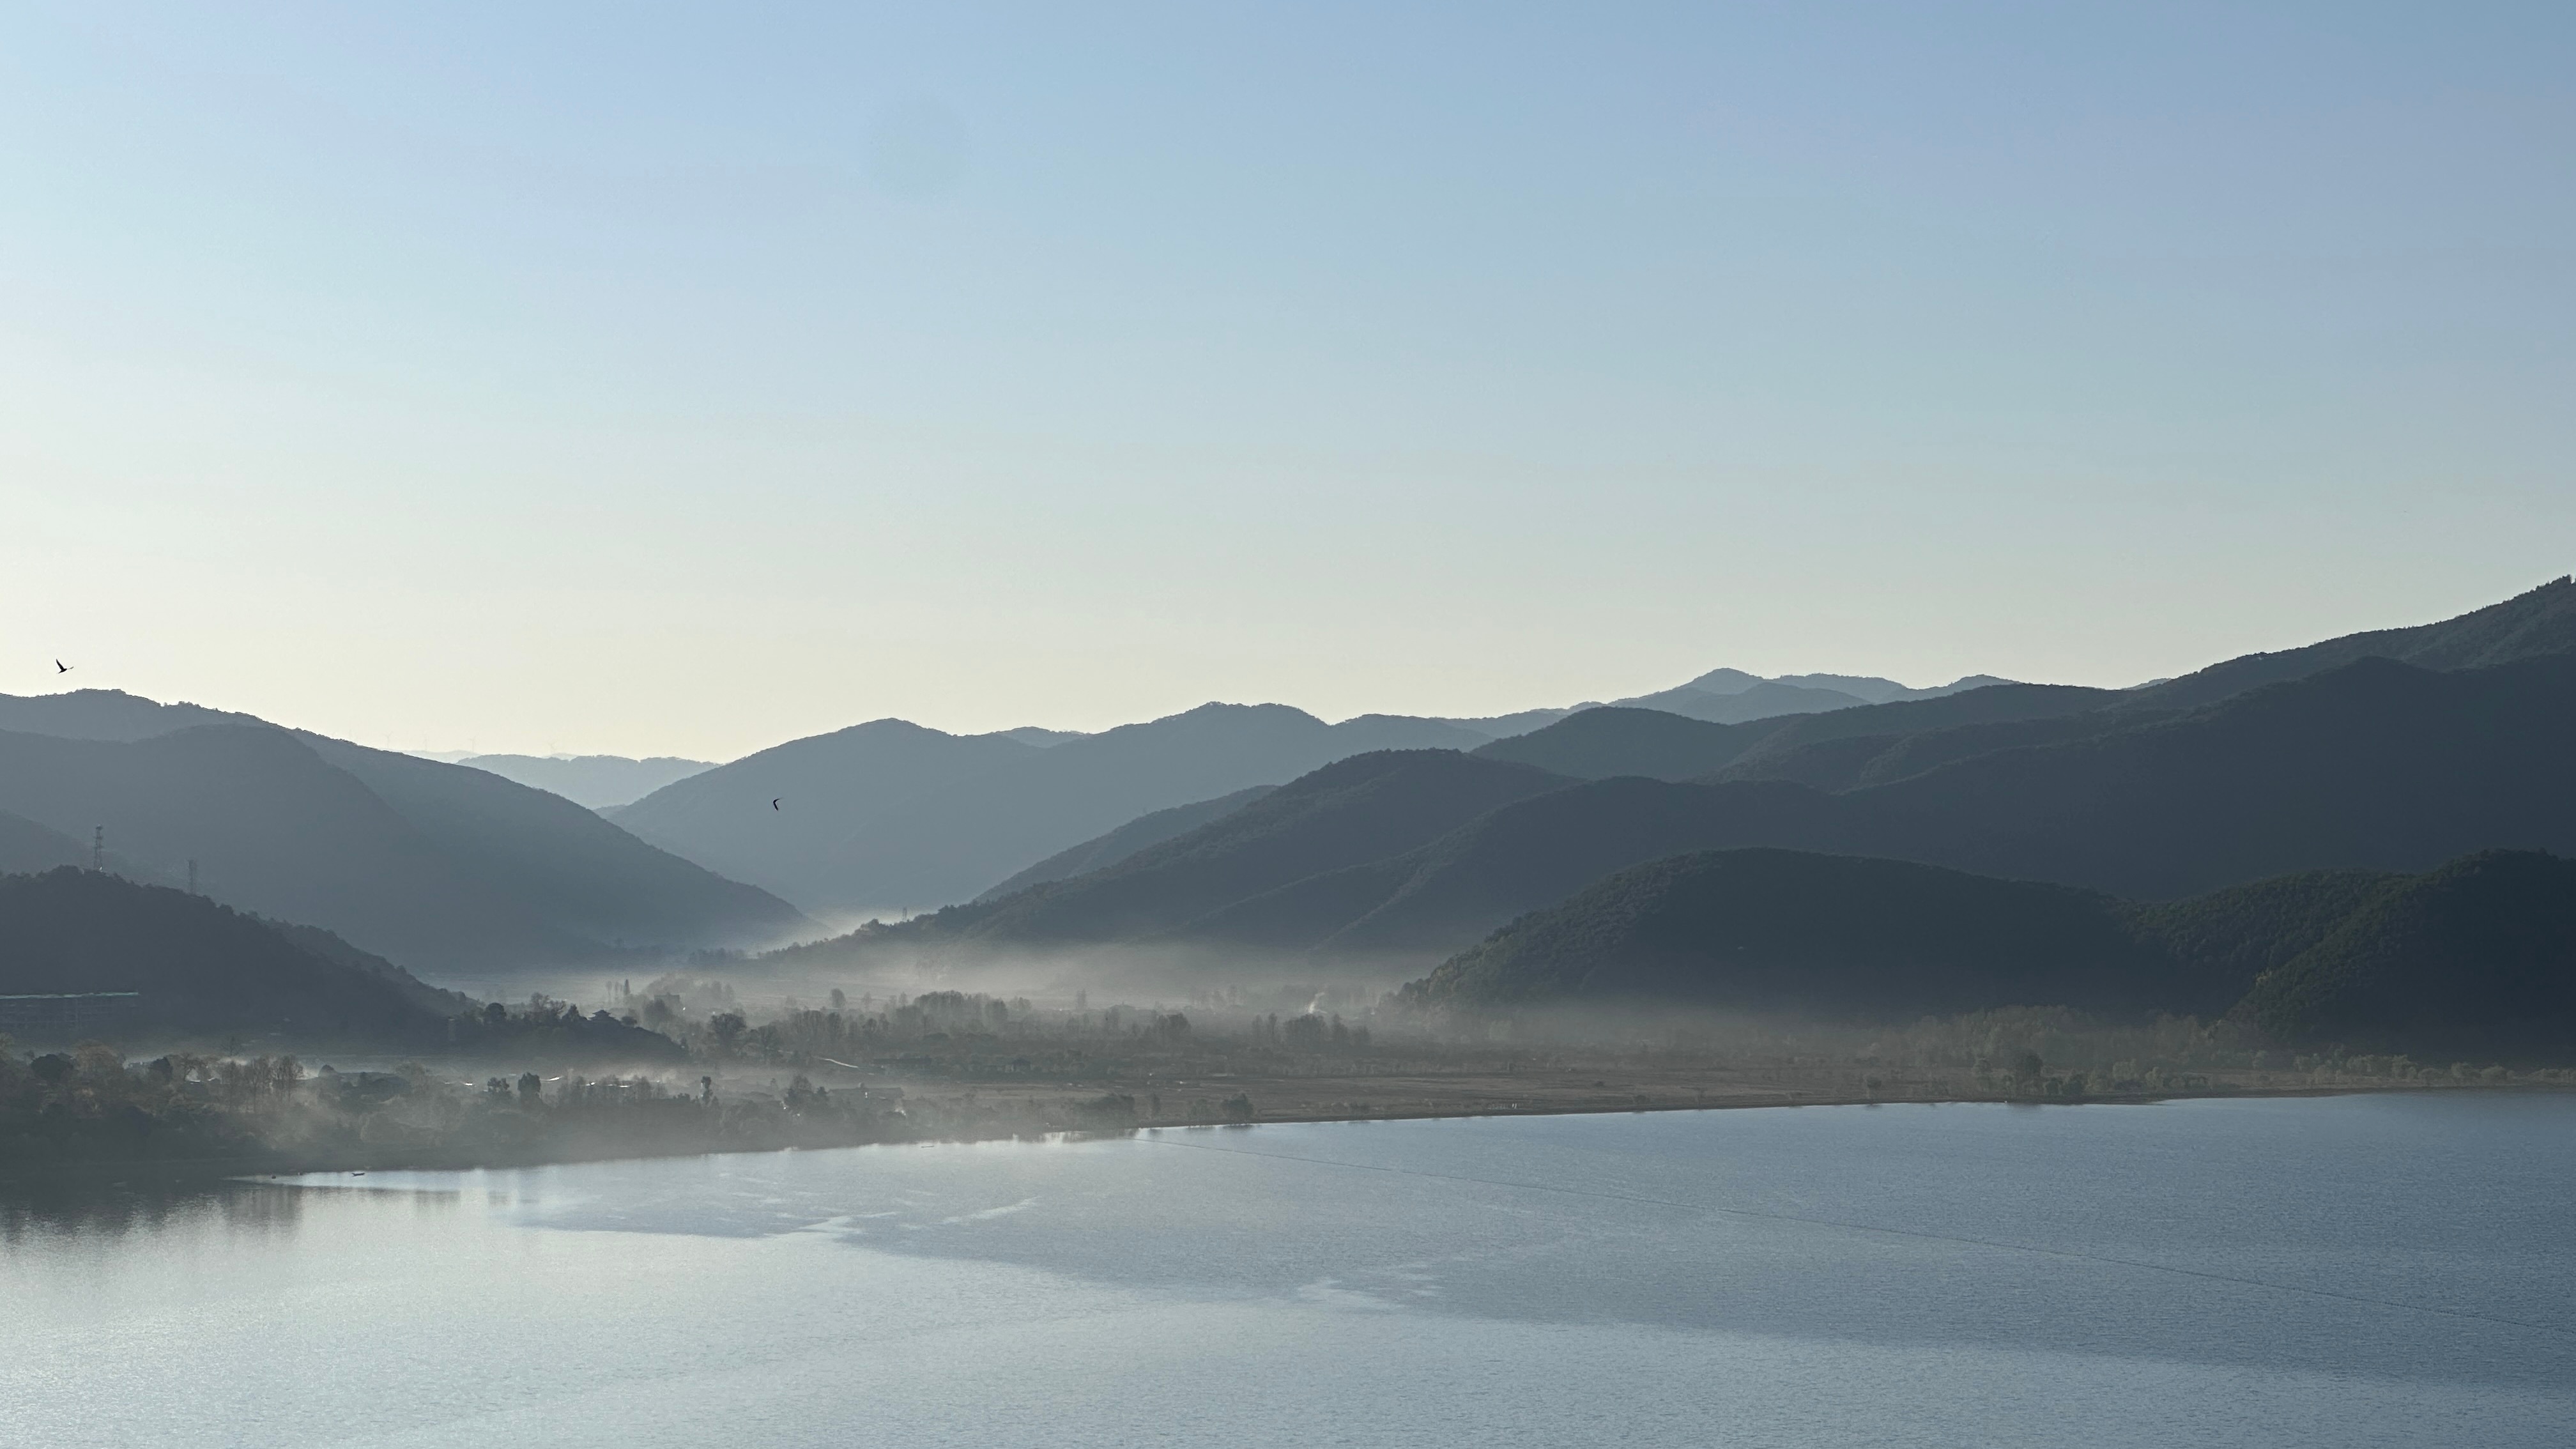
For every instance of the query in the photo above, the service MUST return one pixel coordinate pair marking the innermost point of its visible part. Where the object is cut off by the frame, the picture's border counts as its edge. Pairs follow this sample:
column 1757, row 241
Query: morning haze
column 1325, row 724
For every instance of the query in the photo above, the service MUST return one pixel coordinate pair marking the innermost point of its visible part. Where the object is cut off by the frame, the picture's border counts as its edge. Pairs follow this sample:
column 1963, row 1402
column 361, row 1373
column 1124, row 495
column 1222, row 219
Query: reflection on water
column 2354, row 1271
column 112, row 1210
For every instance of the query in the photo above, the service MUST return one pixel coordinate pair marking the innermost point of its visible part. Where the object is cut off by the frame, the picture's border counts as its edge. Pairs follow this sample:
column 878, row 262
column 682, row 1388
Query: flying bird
column 773, row 801
column 61, row 668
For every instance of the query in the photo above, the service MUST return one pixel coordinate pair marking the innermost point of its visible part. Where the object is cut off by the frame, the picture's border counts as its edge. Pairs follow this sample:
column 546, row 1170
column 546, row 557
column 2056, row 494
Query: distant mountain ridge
column 1731, row 696
column 2370, row 764
column 890, row 814
column 594, row 782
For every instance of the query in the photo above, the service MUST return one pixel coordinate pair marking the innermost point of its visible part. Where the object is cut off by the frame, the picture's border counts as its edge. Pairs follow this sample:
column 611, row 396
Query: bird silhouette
column 773, row 802
column 61, row 668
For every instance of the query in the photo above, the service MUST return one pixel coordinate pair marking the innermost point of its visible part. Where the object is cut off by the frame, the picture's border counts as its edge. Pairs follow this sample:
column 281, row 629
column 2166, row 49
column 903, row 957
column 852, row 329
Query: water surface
column 2342, row 1271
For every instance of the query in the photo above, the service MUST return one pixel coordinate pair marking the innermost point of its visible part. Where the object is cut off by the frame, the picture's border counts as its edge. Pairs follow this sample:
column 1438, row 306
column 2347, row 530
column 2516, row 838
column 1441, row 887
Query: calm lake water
column 2341, row 1271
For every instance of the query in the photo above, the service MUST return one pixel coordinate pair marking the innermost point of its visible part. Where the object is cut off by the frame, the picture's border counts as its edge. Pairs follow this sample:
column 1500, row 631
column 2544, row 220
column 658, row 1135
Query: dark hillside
column 1103, row 851
column 1774, row 931
column 2478, row 955
column 1857, row 762
column 1596, row 744
column 1348, row 812
column 2224, row 940
column 1992, row 704
column 1523, row 856
column 201, row 968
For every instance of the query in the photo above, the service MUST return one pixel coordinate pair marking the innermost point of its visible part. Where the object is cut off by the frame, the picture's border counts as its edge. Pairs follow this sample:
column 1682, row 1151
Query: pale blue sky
column 683, row 379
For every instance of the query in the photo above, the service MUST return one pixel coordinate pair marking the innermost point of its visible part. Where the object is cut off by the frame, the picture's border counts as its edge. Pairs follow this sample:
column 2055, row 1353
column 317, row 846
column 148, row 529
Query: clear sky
column 660, row 379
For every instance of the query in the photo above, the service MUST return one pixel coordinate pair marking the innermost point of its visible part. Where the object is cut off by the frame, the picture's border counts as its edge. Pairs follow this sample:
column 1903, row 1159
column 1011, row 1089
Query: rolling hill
column 203, row 969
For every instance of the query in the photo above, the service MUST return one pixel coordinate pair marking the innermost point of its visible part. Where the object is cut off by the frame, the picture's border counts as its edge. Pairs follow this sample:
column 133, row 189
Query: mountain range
column 1232, row 830
column 2336, row 756
column 887, row 815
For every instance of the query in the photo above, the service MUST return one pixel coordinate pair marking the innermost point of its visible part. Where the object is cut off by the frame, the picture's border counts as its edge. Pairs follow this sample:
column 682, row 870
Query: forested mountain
column 202, row 968
column 2479, row 954
column 439, row 867
column 595, row 782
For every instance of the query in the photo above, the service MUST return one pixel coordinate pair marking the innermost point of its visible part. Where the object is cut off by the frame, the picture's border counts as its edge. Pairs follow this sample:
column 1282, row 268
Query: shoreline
column 266, row 1170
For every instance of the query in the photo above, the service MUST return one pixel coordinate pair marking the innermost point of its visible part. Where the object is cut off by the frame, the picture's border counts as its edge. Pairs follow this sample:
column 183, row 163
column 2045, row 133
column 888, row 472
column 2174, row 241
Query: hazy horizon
column 689, row 381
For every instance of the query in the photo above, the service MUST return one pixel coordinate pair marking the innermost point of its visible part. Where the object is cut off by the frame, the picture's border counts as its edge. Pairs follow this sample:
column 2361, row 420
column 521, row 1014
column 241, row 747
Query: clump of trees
column 91, row 1104
column 558, row 1031
column 269, row 1113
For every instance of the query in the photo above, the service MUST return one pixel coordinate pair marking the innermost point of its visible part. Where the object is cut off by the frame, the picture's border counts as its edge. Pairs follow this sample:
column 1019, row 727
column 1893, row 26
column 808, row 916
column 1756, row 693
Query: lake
column 2346, row 1271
